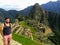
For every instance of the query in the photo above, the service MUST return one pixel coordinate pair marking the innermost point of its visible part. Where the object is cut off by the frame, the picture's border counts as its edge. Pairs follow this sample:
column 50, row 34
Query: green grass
column 25, row 41
column 24, row 24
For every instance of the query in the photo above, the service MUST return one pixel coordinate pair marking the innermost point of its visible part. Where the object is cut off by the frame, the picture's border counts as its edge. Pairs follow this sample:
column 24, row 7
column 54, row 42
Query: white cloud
column 20, row 4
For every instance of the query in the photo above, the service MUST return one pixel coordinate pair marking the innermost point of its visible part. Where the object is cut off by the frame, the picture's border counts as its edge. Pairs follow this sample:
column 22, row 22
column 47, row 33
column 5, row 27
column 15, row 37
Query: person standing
column 7, row 32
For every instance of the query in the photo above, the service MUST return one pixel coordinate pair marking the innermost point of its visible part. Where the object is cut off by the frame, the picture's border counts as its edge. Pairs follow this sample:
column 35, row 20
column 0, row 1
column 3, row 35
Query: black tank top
column 7, row 29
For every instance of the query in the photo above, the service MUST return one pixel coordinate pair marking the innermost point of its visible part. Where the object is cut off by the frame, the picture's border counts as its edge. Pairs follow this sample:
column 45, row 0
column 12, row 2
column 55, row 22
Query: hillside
column 36, row 26
column 24, row 34
column 42, row 21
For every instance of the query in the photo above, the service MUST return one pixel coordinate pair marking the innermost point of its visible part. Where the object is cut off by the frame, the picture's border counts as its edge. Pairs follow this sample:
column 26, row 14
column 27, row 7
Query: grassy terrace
column 24, row 24
column 24, row 40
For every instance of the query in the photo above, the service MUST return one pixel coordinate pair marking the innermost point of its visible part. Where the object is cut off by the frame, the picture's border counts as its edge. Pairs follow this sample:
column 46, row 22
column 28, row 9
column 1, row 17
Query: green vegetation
column 25, row 24
column 25, row 40
column 56, row 38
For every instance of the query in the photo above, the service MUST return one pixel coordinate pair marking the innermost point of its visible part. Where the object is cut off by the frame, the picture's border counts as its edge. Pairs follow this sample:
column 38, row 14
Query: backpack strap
column 4, row 24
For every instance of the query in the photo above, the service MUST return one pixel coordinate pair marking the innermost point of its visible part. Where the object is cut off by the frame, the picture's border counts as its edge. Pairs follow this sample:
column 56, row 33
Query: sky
column 20, row 4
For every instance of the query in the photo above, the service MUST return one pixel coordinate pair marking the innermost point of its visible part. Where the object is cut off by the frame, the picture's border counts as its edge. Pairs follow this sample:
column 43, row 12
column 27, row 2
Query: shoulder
column 2, row 24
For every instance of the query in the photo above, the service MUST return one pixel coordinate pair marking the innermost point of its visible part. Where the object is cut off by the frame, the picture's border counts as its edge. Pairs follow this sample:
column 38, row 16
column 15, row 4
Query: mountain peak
column 38, row 14
column 36, row 4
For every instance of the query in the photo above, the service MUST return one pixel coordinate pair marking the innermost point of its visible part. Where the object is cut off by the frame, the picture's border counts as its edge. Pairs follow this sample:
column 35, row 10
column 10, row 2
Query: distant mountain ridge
column 52, row 6
column 26, row 10
column 11, row 14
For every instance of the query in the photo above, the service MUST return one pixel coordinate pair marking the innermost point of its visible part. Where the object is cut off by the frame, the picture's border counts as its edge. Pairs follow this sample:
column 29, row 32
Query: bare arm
column 11, row 28
column 2, row 26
